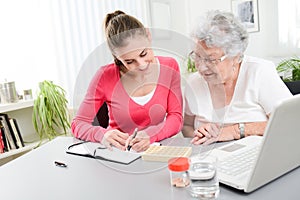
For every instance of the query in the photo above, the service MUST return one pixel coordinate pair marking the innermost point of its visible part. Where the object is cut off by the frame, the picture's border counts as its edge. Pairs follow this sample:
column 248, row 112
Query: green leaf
column 290, row 66
column 50, row 111
column 191, row 65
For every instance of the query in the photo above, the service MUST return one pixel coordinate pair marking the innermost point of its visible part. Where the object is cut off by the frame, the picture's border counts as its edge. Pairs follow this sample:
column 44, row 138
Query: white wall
column 51, row 39
column 264, row 43
column 22, row 57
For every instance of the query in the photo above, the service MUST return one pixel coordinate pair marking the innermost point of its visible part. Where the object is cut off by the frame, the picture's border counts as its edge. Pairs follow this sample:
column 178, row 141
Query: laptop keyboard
column 239, row 163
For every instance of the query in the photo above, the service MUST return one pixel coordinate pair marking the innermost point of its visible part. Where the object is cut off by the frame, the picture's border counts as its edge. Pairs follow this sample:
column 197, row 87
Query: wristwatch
column 242, row 130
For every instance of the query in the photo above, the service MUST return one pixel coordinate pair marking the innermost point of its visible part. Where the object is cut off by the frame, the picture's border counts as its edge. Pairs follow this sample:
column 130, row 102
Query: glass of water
column 204, row 183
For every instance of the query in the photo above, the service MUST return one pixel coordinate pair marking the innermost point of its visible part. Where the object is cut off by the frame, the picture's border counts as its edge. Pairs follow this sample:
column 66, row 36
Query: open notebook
column 99, row 151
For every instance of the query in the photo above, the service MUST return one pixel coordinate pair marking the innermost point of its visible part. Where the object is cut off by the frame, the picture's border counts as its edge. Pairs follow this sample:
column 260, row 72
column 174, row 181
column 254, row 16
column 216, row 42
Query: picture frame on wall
column 247, row 12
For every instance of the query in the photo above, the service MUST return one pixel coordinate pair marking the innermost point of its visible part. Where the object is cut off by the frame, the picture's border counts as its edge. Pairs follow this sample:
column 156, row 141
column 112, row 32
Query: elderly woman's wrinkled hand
column 210, row 133
column 206, row 134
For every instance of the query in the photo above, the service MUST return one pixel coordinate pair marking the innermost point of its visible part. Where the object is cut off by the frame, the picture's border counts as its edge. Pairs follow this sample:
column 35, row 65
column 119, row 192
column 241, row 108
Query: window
column 50, row 39
column 289, row 22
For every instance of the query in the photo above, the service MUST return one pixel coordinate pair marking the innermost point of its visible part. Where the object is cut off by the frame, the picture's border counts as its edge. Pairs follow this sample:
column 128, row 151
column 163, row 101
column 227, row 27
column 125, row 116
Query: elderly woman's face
column 212, row 64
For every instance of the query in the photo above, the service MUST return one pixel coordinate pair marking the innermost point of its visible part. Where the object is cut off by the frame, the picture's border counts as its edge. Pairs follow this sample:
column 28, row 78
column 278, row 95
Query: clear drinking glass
column 204, row 183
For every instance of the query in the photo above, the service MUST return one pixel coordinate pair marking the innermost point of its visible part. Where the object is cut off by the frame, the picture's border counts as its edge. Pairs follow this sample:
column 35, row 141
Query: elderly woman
column 230, row 97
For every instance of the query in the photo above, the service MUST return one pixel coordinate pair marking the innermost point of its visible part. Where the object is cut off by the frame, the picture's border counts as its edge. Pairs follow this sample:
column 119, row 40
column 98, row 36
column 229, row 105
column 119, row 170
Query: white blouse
column 145, row 99
column 258, row 90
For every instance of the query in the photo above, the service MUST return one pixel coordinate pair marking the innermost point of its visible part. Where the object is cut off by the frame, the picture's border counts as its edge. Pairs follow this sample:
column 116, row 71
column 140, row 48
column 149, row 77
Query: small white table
column 35, row 176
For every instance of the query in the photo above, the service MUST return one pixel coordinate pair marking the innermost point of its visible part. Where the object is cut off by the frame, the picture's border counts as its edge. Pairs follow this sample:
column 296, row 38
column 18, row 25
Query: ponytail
column 119, row 27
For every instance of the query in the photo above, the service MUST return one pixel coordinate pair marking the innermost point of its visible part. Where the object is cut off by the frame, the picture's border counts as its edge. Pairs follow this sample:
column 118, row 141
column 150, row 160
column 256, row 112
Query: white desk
column 34, row 176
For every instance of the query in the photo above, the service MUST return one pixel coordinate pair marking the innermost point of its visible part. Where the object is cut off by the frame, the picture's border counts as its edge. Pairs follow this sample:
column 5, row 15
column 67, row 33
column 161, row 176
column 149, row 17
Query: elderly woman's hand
column 210, row 132
column 205, row 132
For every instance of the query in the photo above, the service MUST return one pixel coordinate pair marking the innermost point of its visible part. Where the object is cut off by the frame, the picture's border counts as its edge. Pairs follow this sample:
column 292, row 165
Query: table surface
column 35, row 176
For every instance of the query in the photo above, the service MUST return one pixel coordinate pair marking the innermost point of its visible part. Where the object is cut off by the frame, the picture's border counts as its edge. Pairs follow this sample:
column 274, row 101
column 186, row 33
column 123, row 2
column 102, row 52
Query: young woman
column 141, row 90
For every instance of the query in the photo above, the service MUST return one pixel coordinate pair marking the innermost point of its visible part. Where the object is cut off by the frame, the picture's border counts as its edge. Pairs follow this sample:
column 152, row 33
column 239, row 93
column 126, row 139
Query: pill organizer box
column 164, row 153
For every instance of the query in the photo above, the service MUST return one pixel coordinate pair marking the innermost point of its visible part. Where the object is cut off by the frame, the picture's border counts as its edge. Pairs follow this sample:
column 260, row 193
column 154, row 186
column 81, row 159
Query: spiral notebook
column 99, row 151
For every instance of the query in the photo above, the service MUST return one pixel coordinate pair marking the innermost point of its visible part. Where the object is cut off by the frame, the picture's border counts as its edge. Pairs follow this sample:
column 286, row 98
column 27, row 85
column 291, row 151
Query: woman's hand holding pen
column 140, row 142
column 120, row 140
column 115, row 138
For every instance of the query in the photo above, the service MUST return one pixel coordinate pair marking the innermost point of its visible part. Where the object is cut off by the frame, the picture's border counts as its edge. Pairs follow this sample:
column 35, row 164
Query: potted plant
column 50, row 114
column 291, row 69
column 191, row 65
column 290, row 66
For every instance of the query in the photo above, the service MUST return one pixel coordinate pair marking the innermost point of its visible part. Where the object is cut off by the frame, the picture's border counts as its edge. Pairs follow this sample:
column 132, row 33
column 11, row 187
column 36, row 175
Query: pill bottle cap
column 179, row 164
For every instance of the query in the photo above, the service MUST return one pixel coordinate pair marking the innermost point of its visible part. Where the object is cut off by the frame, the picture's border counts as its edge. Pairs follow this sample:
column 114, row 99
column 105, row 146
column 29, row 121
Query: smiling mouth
column 144, row 67
column 208, row 74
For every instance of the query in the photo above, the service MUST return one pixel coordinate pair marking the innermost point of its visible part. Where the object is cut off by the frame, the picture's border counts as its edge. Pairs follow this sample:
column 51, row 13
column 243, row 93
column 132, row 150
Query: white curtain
column 289, row 23
column 50, row 39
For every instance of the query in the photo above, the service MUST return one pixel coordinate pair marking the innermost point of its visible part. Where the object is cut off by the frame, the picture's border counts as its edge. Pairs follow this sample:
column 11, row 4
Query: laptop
column 266, row 157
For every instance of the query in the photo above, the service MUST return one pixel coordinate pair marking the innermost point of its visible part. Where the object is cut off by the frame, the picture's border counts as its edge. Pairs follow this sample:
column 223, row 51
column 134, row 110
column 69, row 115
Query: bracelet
column 242, row 130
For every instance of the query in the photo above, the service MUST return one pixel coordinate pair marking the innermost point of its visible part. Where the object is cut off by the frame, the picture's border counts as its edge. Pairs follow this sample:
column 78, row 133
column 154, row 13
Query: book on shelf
column 10, row 132
column 2, row 147
column 10, row 137
column 3, row 138
column 16, row 132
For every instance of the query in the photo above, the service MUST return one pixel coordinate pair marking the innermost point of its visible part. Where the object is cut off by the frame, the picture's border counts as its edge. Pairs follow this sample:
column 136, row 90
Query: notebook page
column 99, row 151
column 117, row 155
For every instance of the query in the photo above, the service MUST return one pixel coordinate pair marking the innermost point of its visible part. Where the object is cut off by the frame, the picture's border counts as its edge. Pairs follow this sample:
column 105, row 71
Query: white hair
column 222, row 30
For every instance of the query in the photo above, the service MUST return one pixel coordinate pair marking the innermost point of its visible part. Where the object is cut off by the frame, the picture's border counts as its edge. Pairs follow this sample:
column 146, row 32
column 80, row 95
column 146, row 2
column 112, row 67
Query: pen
column 134, row 135
column 60, row 164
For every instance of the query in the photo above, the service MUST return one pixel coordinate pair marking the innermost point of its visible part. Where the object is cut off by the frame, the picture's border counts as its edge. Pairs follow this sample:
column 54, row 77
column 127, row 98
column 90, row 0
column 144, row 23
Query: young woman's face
column 137, row 55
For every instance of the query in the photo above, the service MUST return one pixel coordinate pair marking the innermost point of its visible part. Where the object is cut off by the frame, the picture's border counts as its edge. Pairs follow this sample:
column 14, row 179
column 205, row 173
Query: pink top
column 160, row 117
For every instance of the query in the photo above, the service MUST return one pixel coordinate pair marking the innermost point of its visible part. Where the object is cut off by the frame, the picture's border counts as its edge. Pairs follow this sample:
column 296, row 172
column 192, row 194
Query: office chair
column 294, row 87
column 101, row 119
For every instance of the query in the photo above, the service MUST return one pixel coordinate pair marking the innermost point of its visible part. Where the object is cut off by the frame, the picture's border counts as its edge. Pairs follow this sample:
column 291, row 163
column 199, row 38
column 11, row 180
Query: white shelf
column 22, row 111
column 13, row 152
column 15, row 106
